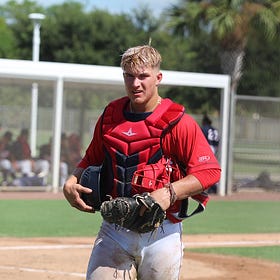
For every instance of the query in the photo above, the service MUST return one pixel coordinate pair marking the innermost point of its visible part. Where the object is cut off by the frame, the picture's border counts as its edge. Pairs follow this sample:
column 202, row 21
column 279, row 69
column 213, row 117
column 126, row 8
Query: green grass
column 23, row 218
column 270, row 253
column 236, row 217
column 56, row 218
column 43, row 218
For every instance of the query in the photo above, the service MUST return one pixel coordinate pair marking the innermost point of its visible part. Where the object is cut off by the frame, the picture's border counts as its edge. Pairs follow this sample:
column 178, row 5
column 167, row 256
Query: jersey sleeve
column 94, row 154
column 186, row 143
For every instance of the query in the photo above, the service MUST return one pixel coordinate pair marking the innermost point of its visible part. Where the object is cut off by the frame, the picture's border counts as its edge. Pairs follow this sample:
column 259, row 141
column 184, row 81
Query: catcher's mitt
column 125, row 211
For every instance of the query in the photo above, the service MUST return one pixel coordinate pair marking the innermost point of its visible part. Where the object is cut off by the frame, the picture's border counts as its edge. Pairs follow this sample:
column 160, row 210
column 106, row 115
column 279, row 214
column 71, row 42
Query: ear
column 159, row 78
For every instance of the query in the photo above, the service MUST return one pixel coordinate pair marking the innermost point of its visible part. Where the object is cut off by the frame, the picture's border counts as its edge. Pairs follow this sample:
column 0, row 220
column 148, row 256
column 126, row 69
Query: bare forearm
column 187, row 186
column 179, row 190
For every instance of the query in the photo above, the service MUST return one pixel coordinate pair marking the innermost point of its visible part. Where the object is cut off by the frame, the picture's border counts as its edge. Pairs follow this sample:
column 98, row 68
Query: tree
column 71, row 34
column 230, row 23
column 16, row 17
column 261, row 68
column 7, row 46
column 143, row 19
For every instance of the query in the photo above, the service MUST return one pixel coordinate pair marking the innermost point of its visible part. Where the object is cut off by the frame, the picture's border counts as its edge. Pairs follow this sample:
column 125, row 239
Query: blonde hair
column 137, row 57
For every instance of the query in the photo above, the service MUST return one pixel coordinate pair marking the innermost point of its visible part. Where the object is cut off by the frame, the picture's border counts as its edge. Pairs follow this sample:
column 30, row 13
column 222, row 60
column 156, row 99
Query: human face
column 142, row 88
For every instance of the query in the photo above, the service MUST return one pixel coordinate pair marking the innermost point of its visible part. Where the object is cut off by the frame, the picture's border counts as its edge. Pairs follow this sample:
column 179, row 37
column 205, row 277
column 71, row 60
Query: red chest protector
column 131, row 145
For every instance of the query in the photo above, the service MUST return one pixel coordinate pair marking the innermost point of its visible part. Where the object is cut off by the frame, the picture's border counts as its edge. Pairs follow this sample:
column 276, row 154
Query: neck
column 147, row 109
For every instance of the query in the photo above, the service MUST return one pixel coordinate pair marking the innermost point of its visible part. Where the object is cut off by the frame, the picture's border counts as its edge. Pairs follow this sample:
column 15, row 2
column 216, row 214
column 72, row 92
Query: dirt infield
column 66, row 258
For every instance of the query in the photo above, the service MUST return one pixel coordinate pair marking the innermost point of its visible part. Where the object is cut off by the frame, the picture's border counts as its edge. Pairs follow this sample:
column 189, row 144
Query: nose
column 135, row 82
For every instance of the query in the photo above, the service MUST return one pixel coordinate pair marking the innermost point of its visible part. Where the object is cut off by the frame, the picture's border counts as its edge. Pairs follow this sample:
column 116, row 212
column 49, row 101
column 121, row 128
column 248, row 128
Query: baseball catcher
column 146, row 191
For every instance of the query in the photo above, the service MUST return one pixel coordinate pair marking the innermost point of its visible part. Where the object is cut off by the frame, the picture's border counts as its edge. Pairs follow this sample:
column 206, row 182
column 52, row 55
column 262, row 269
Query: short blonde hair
column 137, row 57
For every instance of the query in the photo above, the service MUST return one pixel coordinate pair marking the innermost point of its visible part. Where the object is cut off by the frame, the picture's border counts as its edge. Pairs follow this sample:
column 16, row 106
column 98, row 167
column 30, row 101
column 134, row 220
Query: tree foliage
column 261, row 68
column 7, row 46
column 72, row 35
column 230, row 24
column 16, row 16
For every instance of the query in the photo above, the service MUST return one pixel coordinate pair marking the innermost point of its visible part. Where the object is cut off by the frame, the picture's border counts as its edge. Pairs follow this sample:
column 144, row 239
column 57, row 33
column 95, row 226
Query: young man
column 134, row 131
column 212, row 136
column 210, row 133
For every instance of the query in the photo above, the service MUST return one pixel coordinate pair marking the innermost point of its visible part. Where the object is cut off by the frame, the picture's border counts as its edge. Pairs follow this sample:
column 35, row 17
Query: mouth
column 136, row 91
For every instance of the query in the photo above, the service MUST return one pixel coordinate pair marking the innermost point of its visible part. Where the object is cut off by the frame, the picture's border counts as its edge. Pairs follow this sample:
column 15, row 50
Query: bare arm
column 72, row 191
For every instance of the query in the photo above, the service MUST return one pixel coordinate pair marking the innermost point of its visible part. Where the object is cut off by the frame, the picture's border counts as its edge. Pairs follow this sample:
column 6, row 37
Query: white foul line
column 45, row 247
column 26, row 269
column 232, row 243
column 187, row 244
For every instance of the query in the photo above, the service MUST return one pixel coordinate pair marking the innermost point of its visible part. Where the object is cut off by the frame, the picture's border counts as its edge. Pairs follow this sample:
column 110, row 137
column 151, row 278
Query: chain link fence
column 256, row 151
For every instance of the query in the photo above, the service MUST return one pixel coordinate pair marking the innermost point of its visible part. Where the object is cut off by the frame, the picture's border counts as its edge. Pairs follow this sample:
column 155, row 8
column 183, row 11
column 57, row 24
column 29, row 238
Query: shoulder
column 187, row 128
column 188, row 121
column 172, row 105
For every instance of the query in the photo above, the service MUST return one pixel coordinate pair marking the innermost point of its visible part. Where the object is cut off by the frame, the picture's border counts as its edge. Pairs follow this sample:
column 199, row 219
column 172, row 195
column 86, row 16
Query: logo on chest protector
column 129, row 132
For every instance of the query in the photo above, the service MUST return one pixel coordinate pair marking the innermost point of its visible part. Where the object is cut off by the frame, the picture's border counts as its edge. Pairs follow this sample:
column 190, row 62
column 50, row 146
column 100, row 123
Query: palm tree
column 229, row 22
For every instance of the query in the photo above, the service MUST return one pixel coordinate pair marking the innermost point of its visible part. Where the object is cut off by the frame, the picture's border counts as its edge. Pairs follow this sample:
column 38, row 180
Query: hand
column 162, row 197
column 72, row 192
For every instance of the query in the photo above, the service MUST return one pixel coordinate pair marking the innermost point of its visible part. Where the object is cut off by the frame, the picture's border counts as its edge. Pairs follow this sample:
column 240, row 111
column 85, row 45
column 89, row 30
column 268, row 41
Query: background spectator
column 21, row 154
column 212, row 136
column 5, row 160
column 210, row 133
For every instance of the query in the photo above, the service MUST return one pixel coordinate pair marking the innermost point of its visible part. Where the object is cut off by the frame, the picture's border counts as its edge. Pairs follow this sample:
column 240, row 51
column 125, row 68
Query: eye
column 143, row 76
column 128, row 75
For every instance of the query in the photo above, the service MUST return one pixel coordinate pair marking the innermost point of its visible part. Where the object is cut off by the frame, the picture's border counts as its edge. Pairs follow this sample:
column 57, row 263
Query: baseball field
column 42, row 237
